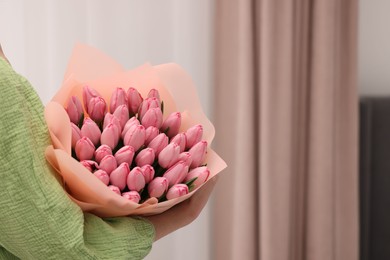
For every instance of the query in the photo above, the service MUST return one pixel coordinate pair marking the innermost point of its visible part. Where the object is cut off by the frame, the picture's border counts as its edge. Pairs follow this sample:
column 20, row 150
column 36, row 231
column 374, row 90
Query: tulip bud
column 186, row 158
column 110, row 136
column 152, row 117
column 148, row 172
column 91, row 130
column 172, row 124
column 159, row 143
column 132, row 196
column 97, row 109
column 101, row 152
column 151, row 133
column 198, row 153
column 125, row 154
column 135, row 179
column 146, row 156
column 118, row 98
column 122, row 113
column 157, row 187
column 168, row 156
column 88, row 94
column 153, row 93
column 111, row 119
column 201, row 173
column 176, row 173
column 135, row 137
column 103, row 176
column 176, row 191
column 134, row 100
column 75, row 110
column 180, row 140
column 132, row 121
column 108, row 164
column 84, row 149
column 89, row 164
column 147, row 104
column 115, row 189
column 76, row 134
column 193, row 135
column 118, row 177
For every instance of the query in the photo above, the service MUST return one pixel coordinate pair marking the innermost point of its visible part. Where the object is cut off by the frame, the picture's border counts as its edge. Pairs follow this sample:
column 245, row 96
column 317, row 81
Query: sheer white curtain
column 38, row 36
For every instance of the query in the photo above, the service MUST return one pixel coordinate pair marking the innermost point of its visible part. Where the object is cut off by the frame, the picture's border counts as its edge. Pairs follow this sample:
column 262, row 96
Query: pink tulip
column 89, row 164
column 201, row 173
column 148, row 172
column 84, row 149
column 171, row 124
column 108, row 164
column 103, row 176
column 135, row 137
column 157, row 187
column 159, row 143
column 132, row 121
column 176, row 173
column 122, row 113
column 198, row 153
column 118, row 98
column 118, row 177
column 193, row 135
column 146, row 156
column 151, row 133
column 135, row 179
column 97, row 109
column 91, row 130
column 111, row 119
column 147, row 104
column 153, row 93
column 88, row 94
column 180, row 140
column 75, row 110
column 168, row 156
column 186, row 158
column 101, row 152
column 125, row 154
column 152, row 117
column 176, row 191
column 134, row 100
column 132, row 196
column 110, row 136
column 115, row 189
column 76, row 134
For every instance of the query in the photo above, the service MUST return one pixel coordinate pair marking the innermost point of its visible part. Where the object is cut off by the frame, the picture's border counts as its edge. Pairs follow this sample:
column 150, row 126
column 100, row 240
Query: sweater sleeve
column 38, row 220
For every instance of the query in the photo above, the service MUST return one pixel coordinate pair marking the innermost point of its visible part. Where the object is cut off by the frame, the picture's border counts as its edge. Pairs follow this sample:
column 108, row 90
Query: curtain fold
column 286, row 116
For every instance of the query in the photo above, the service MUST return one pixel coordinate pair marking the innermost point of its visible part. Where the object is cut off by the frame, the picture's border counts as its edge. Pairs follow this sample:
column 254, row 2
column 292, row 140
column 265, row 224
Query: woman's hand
column 2, row 54
column 183, row 213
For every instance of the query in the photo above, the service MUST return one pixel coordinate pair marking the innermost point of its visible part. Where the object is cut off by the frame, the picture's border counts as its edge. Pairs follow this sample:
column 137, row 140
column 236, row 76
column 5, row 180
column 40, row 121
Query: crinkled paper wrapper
column 88, row 66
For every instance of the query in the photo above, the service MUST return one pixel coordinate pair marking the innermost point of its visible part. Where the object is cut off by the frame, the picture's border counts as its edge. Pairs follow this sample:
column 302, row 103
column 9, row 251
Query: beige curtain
column 286, row 120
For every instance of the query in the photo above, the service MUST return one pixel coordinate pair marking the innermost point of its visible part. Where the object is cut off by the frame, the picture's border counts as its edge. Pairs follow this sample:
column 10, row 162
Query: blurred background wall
column 374, row 47
column 38, row 36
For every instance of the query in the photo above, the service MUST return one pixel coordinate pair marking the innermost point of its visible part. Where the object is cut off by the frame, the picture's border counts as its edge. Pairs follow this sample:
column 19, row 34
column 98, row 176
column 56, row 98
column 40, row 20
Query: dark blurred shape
column 374, row 178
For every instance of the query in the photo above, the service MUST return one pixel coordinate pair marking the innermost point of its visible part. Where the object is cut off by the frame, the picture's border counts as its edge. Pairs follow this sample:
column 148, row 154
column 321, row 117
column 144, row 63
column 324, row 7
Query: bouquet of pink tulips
column 132, row 150
column 128, row 142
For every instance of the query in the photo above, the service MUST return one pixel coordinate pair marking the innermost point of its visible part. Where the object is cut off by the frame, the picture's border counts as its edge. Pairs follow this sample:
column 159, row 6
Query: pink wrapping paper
column 88, row 66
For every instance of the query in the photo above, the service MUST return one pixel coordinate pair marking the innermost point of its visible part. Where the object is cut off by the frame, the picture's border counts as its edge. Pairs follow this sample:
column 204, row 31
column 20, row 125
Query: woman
column 38, row 220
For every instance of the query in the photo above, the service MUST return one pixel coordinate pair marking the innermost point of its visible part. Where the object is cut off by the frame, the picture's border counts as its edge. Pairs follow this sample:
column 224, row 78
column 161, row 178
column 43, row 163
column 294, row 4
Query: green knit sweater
column 37, row 219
